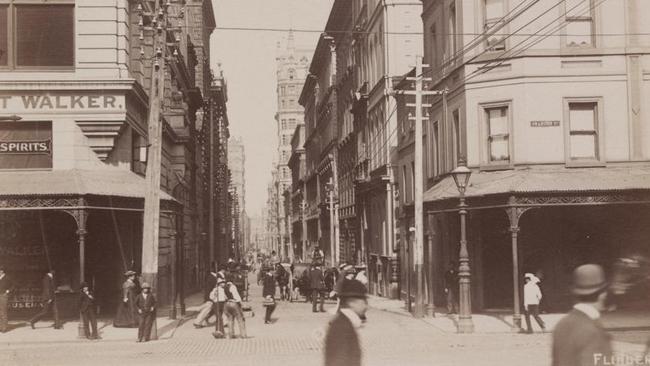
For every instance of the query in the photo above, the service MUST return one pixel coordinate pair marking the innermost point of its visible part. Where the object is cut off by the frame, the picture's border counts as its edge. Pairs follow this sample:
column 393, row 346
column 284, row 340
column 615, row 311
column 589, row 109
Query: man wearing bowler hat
column 342, row 346
column 579, row 338
column 88, row 311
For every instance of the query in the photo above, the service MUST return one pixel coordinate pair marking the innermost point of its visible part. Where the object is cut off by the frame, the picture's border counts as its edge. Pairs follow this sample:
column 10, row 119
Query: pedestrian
column 127, row 312
column 317, row 285
column 234, row 311
column 5, row 290
column 347, row 272
column 579, row 338
column 268, row 292
column 317, row 256
column 282, row 277
column 361, row 275
column 48, row 300
column 146, row 304
column 451, row 287
column 218, row 297
column 205, row 311
column 532, row 298
column 88, row 311
column 342, row 347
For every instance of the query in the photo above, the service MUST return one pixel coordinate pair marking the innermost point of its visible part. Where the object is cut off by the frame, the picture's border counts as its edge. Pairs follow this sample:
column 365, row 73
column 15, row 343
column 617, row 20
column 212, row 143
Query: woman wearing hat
column 127, row 313
column 579, row 338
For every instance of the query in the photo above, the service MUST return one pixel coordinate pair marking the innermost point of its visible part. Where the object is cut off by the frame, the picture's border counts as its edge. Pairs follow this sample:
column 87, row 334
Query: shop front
column 72, row 189
column 544, row 222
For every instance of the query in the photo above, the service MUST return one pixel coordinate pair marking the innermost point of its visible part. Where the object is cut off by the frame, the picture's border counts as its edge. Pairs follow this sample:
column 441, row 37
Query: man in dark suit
column 88, row 311
column 342, row 346
column 317, row 284
column 146, row 304
column 48, row 299
column 579, row 339
column 5, row 290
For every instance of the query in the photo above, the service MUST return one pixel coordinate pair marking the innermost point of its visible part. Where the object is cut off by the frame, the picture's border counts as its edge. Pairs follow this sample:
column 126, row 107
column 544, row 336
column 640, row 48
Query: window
column 283, row 124
column 434, row 45
column 138, row 153
column 583, row 138
column 453, row 46
column 497, row 127
column 40, row 35
column 292, row 74
column 455, row 115
column 435, row 155
column 494, row 12
column 292, row 123
column 579, row 23
column 292, row 89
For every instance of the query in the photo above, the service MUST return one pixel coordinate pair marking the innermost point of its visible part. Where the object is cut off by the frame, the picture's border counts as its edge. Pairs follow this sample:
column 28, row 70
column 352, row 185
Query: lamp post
column 465, row 325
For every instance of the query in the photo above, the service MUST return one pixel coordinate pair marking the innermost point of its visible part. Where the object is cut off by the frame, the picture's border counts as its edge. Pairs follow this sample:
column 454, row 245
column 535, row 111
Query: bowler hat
column 129, row 273
column 146, row 285
column 220, row 280
column 588, row 279
column 352, row 289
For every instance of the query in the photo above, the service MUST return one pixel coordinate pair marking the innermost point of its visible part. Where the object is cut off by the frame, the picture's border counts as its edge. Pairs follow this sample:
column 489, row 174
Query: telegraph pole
column 151, row 219
column 330, row 201
column 418, row 252
column 337, row 244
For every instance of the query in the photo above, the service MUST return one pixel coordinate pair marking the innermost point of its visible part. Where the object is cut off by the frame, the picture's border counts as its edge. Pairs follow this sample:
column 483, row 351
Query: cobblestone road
column 294, row 339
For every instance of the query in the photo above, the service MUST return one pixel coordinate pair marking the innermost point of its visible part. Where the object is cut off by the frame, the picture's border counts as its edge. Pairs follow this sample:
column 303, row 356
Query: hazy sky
column 248, row 61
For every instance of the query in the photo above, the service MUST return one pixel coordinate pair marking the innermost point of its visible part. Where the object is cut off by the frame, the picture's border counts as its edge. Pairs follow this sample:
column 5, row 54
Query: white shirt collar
column 588, row 310
column 50, row 275
column 353, row 317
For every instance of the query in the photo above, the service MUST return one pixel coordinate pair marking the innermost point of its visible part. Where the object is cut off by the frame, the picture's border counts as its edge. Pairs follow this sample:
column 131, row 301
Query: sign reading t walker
column 26, row 145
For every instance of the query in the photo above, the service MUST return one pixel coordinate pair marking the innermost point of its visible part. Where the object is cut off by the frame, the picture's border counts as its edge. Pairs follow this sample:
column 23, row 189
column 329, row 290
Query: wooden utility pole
column 337, row 235
column 418, row 250
column 330, row 199
column 151, row 220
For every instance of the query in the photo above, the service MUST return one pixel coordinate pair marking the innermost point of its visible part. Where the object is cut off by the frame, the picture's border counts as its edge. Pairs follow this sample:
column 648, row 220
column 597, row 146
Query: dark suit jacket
column 577, row 338
column 48, row 288
column 86, row 303
column 210, row 283
column 342, row 343
column 5, row 284
column 146, row 306
column 316, row 279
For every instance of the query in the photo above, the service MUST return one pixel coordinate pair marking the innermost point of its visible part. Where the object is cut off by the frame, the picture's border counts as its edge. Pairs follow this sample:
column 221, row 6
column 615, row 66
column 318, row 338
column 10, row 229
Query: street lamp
column 465, row 325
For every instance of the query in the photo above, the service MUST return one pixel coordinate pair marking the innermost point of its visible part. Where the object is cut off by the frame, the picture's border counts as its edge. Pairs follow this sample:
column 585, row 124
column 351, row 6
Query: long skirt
column 127, row 315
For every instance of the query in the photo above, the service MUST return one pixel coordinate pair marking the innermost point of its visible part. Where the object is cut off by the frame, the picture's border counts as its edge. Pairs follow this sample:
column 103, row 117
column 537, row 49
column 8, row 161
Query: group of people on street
column 137, row 308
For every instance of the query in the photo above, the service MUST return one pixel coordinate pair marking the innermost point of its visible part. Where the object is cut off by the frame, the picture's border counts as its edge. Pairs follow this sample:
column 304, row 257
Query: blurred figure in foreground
column 579, row 338
column 342, row 346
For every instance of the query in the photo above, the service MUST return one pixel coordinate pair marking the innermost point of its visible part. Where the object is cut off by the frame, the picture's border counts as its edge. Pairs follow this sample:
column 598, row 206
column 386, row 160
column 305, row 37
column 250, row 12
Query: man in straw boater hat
column 342, row 346
column 579, row 339
column 146, row 304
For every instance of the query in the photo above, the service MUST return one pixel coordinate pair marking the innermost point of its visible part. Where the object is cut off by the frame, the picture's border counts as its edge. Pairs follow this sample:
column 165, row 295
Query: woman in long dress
column 127, row 313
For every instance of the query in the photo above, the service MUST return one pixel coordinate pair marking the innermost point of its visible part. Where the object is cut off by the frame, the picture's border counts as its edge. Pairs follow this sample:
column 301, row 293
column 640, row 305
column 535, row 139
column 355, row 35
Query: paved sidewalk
column 503, row 322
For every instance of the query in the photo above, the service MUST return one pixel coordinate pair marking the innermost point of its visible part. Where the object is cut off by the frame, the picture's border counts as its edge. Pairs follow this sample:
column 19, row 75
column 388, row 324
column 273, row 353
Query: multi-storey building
column 553, row 125
column 83, row 180
column 236, row 163
column 272, row 221
column 291, row 68
column 297, row 165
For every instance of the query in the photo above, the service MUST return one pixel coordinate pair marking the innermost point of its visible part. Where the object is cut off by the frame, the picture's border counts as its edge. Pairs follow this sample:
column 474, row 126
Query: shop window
column 44, row 35
column 579, row 23
column 583, row 128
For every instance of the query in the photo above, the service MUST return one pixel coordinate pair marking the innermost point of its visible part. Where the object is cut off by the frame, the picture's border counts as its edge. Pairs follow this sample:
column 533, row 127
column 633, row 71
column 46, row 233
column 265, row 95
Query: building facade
column 291, row 68
column 554, row 127
column 73, row 202
column 236, row 164
column 297, row 165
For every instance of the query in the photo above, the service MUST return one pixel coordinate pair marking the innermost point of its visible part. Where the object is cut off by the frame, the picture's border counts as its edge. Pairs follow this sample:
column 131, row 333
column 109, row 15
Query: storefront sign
column 17, row 104
column 544, row 123
column 26, row 145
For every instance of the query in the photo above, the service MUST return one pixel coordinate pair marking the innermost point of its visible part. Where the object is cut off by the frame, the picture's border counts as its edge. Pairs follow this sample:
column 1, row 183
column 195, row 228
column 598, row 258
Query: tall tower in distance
column 292, row 67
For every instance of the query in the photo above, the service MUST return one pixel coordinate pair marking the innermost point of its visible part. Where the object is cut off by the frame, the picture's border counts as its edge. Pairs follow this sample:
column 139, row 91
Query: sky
column 247, row 59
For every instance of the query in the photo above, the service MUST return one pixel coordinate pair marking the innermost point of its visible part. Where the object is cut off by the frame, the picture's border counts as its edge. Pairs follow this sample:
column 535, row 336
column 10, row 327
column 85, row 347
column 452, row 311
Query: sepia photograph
column 325, row 182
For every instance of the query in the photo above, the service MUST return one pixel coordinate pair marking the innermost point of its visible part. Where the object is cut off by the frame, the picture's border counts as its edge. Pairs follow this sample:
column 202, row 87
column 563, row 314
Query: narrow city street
column 293, row 339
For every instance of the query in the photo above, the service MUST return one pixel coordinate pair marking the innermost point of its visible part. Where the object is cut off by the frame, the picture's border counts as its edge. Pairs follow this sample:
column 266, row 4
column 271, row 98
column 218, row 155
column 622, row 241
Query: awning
column 545, row 180
column 108, row 181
